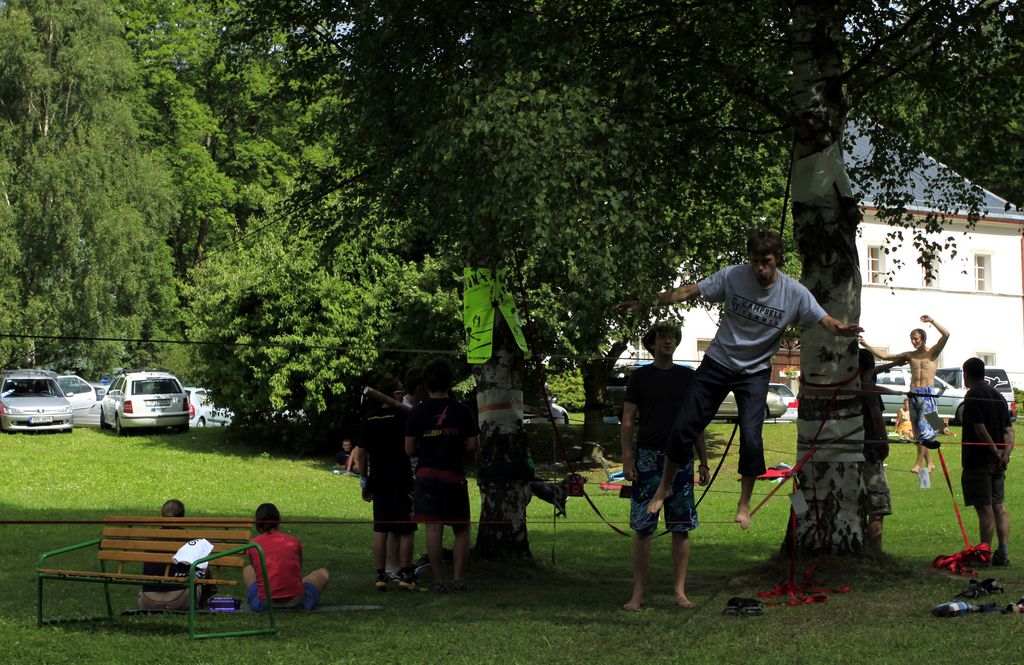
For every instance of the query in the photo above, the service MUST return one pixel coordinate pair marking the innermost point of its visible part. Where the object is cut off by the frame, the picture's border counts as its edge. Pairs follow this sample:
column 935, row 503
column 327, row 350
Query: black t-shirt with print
column 441, row 426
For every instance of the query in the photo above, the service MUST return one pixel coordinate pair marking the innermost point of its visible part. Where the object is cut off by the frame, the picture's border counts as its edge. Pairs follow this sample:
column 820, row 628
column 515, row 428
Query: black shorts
column 438, row 500
column 983, row 486
column 392, row 512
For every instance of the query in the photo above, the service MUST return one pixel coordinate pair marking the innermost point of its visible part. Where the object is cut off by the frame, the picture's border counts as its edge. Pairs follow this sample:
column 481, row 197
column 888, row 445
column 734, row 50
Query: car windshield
column 30, row 387
column 154, row 387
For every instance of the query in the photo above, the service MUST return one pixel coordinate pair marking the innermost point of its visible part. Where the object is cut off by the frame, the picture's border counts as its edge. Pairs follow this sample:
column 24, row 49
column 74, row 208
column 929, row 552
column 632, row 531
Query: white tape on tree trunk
column 500, row 407
column 814, row 175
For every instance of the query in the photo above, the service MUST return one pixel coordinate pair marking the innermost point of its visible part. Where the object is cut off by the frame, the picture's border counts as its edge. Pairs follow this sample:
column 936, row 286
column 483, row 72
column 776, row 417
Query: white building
column 978, row 294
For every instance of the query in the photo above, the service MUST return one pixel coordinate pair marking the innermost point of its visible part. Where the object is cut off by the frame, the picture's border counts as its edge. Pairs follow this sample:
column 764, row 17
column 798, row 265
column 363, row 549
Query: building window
column 702, row 347
column 876, row 264
column 982, row 272
column 987, row 357
column 933, row 281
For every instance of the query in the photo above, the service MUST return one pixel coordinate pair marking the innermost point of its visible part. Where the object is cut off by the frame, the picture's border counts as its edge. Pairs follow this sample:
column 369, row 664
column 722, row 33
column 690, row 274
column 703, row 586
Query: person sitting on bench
column 162, row 596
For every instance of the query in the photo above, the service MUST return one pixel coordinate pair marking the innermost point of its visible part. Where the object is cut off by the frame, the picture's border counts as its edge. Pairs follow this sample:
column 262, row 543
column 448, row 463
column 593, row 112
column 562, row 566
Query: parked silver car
column 144, row 398
column 774, row 407
column 85, row 401
column 950, row 400
column 31, row 401
column 202, row 412
column 789, row 397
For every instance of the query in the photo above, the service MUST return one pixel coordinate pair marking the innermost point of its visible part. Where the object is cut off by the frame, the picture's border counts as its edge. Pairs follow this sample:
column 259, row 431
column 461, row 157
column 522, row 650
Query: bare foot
column 634, row 604
column 743, row 518
column 683, row 602
column 917, row 467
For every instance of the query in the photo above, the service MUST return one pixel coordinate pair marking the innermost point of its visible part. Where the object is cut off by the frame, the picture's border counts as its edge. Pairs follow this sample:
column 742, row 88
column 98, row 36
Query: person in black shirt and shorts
column 387, row 481
column 442, row 431
column 655, row 393
column 986, row 426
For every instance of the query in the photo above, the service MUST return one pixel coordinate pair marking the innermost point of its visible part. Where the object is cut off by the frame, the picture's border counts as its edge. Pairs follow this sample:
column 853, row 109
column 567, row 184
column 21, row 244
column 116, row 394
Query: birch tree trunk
column 825, row 219
column 504, row 458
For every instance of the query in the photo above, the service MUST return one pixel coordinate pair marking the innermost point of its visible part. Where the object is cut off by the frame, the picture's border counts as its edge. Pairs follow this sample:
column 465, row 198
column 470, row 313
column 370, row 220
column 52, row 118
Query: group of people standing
column 668, row 407
column 416, row 442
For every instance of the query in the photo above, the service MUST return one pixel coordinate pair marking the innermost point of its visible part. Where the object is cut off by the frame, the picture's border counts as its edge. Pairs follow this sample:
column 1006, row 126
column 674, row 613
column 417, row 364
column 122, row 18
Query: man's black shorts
column 438, row 500
column 983, row 486
column 392, row 511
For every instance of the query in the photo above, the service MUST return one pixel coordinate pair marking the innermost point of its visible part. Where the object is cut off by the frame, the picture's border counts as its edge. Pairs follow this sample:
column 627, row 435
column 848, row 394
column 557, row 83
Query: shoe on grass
column 459, row 586
column 1000, row 559
column 407, row 582
column 381, row 584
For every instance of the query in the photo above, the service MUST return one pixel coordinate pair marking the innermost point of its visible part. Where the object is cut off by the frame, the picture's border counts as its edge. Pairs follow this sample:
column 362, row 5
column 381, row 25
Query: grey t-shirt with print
column 755, row 317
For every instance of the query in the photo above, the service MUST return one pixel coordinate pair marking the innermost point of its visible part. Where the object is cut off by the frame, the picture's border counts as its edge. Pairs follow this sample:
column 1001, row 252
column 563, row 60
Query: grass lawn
column 563, row 607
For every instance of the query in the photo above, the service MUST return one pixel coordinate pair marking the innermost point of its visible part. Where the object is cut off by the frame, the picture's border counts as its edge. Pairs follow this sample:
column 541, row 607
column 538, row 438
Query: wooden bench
column 127, row 543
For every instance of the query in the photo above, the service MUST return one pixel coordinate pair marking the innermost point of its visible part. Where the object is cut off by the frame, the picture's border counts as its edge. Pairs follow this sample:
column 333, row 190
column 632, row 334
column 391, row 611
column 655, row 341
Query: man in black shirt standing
column 986, row 426
column 387, row 482
column 443, row 431
column 655, row 393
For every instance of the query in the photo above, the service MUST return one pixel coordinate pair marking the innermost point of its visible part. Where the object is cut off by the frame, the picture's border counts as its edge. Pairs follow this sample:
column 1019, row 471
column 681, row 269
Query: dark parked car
column 994, row 376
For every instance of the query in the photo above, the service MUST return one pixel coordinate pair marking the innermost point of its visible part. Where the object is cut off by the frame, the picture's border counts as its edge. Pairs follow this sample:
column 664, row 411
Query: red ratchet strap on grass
column 808, row 591
column 800, row 593
column 959, row 563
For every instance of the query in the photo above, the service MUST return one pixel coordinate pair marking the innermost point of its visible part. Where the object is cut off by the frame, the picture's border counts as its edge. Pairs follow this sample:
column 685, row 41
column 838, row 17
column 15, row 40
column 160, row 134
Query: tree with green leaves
column 508, row 144
column 213, row 114
column 593, row 149
column 86, row 209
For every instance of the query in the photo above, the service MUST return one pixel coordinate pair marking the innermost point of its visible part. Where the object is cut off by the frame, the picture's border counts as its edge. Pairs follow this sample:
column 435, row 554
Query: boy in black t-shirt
column 654, row 396
column 986, row 425
column 442, row 431
column 387, row 482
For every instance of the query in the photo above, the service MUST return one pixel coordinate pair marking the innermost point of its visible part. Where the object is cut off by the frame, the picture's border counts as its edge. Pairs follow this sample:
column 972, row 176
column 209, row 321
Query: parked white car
column 789, row 397
column 202, row 412
column 560, row 415
column 85, row 401
column 31, row 401
column 144, row 398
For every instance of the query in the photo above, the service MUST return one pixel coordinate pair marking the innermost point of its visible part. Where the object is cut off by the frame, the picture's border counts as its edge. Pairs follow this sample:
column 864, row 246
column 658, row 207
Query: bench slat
column 181, row 535
column 160, row 557
column 177, row 521
column 95, row 574
column 171, row 546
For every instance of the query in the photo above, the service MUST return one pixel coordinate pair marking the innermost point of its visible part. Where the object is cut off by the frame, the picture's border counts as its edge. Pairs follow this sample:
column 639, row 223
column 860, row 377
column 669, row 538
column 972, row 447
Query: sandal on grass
column 745, row 606
column 976, row 589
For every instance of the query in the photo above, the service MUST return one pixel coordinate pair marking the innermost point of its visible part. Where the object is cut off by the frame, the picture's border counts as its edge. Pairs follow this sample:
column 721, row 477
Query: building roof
column 924, row 187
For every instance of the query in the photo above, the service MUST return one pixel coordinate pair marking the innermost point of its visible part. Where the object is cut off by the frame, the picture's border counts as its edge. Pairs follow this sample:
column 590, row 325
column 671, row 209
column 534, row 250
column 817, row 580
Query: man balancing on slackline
column 759, row 301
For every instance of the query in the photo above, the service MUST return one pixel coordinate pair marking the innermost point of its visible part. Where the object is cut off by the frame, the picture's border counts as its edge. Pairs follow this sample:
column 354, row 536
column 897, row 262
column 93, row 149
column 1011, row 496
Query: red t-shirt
column 283, row 554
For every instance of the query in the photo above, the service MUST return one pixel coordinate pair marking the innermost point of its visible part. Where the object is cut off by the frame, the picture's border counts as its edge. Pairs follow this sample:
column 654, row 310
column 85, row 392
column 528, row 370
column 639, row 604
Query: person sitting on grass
column 283, row 554
column 904, row 429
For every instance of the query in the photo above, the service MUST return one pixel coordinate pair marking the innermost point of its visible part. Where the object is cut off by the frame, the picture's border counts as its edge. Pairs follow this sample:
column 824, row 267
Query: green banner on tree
column 483, row 293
